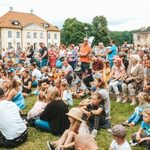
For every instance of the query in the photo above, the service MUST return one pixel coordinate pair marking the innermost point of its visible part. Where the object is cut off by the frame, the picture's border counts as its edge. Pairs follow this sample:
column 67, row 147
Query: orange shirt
column 85, row 49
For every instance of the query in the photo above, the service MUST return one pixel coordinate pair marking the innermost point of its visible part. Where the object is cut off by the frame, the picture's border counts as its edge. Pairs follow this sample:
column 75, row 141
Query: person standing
column 112, row 52
column 44, row 54
column 84, row 53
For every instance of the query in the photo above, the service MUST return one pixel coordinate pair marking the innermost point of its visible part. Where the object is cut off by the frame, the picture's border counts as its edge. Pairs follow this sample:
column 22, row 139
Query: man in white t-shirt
column 36, row 74
column 119, row 143
column 68, row 71
column 13, row 131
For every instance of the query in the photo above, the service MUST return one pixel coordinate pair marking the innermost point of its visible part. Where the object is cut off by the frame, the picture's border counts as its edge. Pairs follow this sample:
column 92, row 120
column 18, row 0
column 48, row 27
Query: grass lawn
column 119, row 113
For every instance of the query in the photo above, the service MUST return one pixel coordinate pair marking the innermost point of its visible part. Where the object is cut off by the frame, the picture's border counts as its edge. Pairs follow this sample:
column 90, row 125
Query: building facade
column 18, row 30
column 141, row 38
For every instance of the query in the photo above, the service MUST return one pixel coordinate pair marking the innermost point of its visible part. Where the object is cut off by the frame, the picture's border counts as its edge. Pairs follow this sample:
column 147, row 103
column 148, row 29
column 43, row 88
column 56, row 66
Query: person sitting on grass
column 142, row 137
column 15, row 95
column 101, row 88
column 67, row 139
column 67, row 94
column 136, row 117
column 38, row 107
column 119, row 142
column 53, row 119
column 80, row 91
column 13, row 131
column 94, row 113
column 85, row 142
column 26, row 83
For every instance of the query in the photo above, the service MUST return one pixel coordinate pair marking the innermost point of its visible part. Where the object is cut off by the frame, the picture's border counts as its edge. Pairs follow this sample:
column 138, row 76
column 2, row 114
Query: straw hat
column 75, row 113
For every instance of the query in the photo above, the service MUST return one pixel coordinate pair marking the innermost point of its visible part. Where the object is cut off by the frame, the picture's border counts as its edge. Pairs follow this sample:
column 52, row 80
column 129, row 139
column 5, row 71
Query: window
column 28, row 44
column 49, row 36
column 55, row 36
column 18, row 35
column 18, row 45
column 9, row 45
column 55, row 44
column 28, row 34
column 41, row 36
column 9, row 34
column 35, row 35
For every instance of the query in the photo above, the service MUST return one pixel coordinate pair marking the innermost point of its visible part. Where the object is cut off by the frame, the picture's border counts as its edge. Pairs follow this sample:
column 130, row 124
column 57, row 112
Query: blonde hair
column 144, row 97
column 53, row 93
column 147, row 111
column 75, row 125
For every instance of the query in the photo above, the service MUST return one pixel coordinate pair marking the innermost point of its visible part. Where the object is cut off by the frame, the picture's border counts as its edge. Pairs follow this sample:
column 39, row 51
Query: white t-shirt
column 68, row 68
column 124, row 146
column 11, row 124
column 37, row 74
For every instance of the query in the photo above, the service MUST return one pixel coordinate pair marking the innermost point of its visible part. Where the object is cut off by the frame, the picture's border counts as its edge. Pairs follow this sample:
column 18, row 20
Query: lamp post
column 86, row 28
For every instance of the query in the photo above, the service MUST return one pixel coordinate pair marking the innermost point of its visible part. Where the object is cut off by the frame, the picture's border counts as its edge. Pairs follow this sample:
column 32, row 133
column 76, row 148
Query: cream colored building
column 18, row 30
column 141, row 38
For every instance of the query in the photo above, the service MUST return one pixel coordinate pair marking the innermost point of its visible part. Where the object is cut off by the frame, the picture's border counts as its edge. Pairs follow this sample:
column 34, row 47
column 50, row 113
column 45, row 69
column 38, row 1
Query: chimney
column 31, row 11
column 10, row 8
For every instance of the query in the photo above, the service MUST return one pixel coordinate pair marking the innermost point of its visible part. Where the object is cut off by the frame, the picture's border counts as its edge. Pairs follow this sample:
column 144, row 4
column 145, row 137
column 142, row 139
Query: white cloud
column 121, row 15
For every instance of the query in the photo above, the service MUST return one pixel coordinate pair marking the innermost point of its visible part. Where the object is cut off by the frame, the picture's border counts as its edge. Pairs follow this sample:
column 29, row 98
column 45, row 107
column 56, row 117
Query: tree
column 72, row 32
column 100, row 30
column 121, row 36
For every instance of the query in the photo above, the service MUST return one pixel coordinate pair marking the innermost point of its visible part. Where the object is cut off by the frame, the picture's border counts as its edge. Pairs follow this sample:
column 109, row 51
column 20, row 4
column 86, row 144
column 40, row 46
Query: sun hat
column 75, row 113
column 118, row 131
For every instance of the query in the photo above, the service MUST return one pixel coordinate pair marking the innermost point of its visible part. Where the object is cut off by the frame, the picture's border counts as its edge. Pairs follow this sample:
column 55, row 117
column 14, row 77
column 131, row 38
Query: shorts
column 84, row 66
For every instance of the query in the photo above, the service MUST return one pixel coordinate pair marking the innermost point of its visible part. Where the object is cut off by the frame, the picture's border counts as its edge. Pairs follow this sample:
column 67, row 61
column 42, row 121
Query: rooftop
column 24, row 19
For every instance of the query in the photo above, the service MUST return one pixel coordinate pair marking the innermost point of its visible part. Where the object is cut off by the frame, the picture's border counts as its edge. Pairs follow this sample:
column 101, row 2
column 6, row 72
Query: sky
column 121, row 15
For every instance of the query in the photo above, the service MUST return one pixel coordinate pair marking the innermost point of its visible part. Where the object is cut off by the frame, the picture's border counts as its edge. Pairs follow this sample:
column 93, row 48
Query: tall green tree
column 72, row 32
column 121, row 36
column 100, row 30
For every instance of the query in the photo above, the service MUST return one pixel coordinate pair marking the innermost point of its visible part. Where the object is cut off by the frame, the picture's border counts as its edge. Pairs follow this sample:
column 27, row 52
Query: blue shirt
column 146, row 128
column 113, row 52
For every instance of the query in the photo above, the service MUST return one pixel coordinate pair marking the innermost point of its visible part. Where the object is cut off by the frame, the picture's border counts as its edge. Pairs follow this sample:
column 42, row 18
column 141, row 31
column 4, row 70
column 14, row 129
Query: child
column 80, row 90
column 94, row 113
column 100, row 88
column 67, row 95
column 119, row 143
column 67, row 139
column 144, row 102
column 38, row 107
column 143, row 134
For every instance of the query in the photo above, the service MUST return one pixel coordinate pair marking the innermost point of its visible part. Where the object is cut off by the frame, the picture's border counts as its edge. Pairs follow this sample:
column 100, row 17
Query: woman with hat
column 66, row 140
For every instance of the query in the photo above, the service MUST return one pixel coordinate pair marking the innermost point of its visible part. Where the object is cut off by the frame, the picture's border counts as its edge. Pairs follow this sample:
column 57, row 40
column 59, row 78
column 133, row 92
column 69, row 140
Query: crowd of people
column 59, row 76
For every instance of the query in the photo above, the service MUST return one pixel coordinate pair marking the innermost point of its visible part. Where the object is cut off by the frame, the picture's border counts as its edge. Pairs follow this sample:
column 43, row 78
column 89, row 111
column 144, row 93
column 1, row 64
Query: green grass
column 119, row 113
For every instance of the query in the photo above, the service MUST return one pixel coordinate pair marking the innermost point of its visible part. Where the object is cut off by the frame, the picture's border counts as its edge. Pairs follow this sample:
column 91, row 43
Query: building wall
column 54, row 38
column 24, row 41
column 141, row 38
column 32, row 29
column 13, row 40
